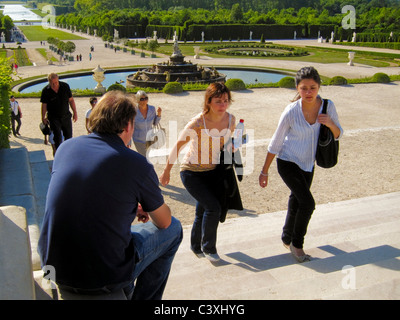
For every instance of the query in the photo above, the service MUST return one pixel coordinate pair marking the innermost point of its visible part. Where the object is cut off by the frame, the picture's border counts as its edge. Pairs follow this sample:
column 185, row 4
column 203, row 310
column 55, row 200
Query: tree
column 236, row 13
column 153, row 45
column 69, row 47
column 5, row 80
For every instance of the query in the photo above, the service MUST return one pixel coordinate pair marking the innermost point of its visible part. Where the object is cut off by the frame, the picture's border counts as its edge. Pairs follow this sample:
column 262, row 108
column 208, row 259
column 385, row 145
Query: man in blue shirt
column 98, row 187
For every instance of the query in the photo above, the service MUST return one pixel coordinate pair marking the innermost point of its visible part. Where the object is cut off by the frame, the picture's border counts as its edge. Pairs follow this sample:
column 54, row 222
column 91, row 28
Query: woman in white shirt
column 294, row 143
column 146, row 117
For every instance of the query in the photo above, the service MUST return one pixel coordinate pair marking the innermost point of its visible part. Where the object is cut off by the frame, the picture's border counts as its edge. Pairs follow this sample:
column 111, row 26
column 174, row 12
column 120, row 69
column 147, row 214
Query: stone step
column 40, row 173
column 264, row 223
column 363, row 233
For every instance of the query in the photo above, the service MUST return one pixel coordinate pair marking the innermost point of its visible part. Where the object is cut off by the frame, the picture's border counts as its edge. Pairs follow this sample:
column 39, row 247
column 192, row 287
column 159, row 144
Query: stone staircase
column 24, row 181
column 355, row 246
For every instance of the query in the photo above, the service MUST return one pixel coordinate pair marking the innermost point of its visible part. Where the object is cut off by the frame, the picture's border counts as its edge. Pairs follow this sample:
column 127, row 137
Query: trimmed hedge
column 380, row 77
column 338, row 81
column 287, row 82
column 173, row 87
column 235, row 84
column 116, row 86
column 242, row 31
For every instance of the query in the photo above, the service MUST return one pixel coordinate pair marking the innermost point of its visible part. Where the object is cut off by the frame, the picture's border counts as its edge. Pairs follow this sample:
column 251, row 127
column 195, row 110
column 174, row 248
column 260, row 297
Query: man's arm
column 73, row 107
column 44, row 112
column 161, row 217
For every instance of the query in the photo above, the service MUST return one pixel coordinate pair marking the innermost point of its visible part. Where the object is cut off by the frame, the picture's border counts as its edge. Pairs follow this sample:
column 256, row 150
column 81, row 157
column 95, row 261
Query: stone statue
column 167, row 76
column 177, row 51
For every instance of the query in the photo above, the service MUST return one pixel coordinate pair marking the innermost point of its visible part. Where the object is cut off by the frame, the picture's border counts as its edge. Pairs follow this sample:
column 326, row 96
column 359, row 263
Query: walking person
column 92, row 102
column 207, row 133
column 16, row 115
column 56, row 100
column 98, row 187
column 294, row 143
column 146, row 118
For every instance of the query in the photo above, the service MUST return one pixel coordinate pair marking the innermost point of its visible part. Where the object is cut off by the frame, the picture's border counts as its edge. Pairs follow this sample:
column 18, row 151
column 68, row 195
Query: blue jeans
column 301, row 203
column 204, row 188
column 154, row 250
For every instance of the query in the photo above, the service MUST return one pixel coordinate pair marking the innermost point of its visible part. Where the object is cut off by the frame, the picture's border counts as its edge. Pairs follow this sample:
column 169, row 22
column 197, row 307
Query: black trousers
column 61, row 127
column 301, row 202
column 16, row 118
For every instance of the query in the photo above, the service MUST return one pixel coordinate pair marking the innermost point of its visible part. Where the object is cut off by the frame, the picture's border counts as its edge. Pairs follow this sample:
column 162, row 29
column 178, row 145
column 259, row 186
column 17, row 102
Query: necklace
column 311, row 113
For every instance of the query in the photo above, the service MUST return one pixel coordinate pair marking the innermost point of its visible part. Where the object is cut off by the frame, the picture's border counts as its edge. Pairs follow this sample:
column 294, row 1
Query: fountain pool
column 86, row 81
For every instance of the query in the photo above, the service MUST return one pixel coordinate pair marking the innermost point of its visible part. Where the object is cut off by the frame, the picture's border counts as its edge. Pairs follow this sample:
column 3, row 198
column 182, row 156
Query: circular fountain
column 174, row 70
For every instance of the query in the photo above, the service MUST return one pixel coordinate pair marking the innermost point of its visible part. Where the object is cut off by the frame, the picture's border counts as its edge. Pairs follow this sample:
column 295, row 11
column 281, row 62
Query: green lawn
column 316, row 54
column 38, row 33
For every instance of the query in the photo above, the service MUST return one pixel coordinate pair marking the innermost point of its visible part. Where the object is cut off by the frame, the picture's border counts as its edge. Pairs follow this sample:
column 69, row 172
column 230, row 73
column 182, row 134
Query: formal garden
column 220, row 29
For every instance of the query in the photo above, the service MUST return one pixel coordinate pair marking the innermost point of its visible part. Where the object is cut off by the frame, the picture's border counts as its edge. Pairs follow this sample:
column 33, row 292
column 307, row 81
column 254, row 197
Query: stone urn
column 351, row 58
column 98, row 76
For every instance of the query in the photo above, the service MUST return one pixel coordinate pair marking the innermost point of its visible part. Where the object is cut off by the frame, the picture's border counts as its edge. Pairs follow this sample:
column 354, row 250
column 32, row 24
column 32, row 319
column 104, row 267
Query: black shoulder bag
column 328, row 147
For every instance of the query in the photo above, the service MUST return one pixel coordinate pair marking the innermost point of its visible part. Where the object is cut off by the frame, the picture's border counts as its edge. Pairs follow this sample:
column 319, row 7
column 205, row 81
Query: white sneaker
column 213, row 257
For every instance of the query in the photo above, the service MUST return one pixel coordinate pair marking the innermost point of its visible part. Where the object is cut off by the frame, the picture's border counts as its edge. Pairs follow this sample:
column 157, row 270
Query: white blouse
column 295, row 140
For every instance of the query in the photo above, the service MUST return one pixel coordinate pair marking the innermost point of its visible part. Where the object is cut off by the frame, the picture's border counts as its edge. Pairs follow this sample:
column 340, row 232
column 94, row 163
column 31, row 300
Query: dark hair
column 307, row 73
column 112, row 113
column 92, row 99
column 216, row 89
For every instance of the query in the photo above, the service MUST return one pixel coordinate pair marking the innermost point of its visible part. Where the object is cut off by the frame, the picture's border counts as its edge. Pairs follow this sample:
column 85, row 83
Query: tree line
column 371, row 14
column 263, row 6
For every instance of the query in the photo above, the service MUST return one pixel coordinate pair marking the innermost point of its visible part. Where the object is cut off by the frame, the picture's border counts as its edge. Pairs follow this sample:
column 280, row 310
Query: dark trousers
column 203, row 186
column 16, row 118
column 301, row 203
column 61, row 127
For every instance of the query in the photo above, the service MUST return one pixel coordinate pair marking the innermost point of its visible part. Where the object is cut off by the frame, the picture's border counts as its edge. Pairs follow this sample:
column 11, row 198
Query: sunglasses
column 144, row 99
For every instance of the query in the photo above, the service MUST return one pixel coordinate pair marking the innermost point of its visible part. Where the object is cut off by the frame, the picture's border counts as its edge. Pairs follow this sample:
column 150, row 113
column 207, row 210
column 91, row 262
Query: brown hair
column 216, row 89
column 112, row 113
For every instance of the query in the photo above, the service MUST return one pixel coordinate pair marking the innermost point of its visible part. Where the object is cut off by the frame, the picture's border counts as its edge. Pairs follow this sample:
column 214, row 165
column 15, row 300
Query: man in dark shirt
column 98, row 186
column 56, row 99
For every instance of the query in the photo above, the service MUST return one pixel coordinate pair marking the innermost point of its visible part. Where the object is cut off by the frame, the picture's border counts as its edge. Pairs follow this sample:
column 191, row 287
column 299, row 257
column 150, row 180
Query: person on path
column 16, row 115
column 56, row 100
column 146, row 118
column 294, row 143
column 207, row 134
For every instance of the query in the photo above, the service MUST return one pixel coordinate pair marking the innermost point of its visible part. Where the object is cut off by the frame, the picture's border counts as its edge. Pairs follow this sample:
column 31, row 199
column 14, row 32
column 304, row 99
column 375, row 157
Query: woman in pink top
column 207, row 133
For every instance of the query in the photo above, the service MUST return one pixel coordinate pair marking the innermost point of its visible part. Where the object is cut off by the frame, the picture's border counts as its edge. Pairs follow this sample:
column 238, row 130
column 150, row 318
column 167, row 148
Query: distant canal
column 18, row 12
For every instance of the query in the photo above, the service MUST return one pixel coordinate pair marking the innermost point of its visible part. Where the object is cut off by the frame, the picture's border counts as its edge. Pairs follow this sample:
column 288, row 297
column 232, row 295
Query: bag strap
column 325, row 107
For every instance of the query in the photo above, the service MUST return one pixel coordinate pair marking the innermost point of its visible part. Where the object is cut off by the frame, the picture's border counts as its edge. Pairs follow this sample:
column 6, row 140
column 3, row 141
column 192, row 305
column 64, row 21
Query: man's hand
column 141, row 215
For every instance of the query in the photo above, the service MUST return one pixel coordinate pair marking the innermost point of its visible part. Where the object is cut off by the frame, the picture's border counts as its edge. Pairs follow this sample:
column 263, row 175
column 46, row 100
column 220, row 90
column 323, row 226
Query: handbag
column 156, row 137
column 327, row 148
column 44, row 128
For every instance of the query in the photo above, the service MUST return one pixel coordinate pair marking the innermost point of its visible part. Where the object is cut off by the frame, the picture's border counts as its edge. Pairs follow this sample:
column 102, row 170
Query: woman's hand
column 164, row 178
column 263, row 180
column 159, row 110
column 325, row 120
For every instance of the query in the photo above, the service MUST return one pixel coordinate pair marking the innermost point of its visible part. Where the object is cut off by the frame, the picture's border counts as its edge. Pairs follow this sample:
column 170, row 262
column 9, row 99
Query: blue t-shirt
column 94, row 191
